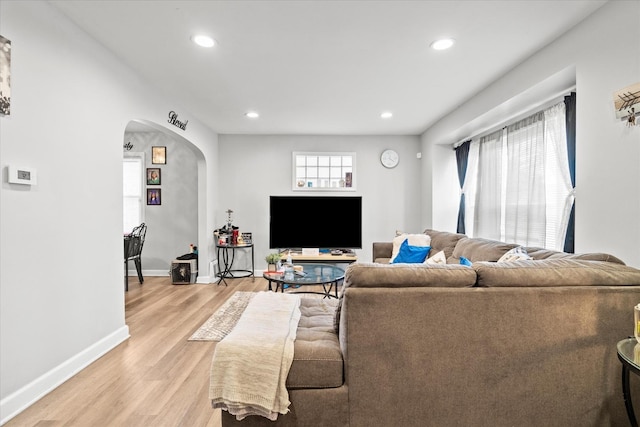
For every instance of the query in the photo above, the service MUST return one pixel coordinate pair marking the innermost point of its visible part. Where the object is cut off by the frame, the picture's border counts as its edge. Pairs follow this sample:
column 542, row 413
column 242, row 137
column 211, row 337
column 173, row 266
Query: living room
column 61, row 276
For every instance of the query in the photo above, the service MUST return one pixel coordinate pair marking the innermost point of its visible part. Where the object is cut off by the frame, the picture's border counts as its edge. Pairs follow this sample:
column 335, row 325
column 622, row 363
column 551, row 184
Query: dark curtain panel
column 462, row 156
column 570, row 108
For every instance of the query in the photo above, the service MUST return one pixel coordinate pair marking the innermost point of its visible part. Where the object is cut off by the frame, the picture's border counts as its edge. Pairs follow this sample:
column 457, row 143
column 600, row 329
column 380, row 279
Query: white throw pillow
column 414, row 240
column 439, row 258
column 516, row 254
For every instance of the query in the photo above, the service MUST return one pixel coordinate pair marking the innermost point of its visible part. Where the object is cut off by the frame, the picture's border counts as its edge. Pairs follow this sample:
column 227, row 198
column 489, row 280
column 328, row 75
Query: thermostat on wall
column 21, row 175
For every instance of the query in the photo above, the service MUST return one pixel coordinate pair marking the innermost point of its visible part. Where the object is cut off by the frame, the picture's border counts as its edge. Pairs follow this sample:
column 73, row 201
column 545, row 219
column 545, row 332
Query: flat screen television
column 323, row 222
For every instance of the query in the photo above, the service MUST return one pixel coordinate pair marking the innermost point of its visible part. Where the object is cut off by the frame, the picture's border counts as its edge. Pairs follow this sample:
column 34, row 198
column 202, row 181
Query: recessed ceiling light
column 442, row 44
column 252, row 114
column 202, row 40
column 386, row 115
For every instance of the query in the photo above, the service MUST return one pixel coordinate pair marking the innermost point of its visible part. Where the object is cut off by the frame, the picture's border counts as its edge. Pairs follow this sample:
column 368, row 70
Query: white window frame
column 323, row 171
column 140, row 158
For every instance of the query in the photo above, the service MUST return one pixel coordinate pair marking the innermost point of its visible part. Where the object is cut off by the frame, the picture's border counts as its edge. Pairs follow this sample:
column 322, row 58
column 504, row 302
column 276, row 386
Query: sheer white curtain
column 489, row 191
column 518, row 187
column 470, row 188
column 525, row 201
column 560, row 194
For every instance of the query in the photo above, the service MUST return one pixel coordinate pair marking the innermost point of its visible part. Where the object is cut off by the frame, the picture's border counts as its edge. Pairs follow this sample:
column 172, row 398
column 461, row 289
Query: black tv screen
column 324, row 222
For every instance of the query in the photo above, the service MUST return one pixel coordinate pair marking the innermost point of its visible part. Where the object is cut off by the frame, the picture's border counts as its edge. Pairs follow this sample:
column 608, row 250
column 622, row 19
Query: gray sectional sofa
column 526, row 343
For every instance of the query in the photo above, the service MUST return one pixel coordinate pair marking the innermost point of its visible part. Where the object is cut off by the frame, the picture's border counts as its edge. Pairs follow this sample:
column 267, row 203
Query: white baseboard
column 21, row 399
column 163, row 273
column 207, row 279
column 151, row 273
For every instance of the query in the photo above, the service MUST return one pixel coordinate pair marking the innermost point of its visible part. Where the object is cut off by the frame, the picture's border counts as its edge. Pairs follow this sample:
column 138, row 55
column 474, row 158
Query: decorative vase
column 271, row 267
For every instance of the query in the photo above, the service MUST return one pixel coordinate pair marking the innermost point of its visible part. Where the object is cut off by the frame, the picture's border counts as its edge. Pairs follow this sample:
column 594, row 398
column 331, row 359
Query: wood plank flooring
column 155, row 378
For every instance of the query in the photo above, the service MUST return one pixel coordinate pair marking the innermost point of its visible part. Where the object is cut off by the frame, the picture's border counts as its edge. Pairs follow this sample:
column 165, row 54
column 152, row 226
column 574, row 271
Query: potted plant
column 272, row 259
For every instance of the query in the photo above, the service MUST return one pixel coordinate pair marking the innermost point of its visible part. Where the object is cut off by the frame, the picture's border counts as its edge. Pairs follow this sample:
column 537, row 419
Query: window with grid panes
column 324, row 171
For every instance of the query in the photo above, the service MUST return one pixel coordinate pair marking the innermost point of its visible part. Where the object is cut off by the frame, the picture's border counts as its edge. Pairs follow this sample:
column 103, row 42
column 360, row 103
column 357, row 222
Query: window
column 132, row 186
column 324, row 171
column 518, row 187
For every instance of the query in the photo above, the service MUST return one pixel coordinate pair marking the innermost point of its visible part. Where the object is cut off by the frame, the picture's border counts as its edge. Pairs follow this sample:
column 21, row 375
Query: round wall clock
column 389, row 158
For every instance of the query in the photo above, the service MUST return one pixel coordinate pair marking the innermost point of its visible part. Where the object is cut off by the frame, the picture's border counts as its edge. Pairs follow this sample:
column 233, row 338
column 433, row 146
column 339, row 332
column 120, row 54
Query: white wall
column 603, row 52
column 61, row 269
column 256, row 167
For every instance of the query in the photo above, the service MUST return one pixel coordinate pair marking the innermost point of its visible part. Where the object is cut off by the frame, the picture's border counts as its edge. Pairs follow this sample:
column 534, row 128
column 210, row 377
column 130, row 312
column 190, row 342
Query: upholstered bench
column 316, row 378
column 317, row 360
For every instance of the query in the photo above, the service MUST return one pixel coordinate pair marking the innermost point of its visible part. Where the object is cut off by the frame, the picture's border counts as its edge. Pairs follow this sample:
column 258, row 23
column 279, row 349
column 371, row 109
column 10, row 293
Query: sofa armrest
column 382, row 251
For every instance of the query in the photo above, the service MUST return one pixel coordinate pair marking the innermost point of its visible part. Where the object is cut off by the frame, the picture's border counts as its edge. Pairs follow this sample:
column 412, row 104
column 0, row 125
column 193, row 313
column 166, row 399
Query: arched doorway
column 175, row 217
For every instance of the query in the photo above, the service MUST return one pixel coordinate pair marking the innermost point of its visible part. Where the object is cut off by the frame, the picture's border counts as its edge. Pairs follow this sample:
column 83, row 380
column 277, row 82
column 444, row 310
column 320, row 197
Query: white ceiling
column 323, row 67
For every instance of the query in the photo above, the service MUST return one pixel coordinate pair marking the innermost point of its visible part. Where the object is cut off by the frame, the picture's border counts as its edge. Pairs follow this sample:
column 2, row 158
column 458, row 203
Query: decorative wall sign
column 153, row 176
column 173, row 119
column 627, row 103
column 159, row 155
column 5, row 76
column 128, row 146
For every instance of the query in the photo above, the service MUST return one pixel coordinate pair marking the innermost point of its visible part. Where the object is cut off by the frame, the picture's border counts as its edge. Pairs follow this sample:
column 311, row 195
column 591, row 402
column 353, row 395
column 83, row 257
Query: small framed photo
column 159, row 155
column 153, row 176
column 154, row 196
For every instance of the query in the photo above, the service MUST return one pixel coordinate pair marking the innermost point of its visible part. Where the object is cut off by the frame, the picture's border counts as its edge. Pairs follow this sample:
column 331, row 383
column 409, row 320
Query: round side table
column 226, row 255
column 629, row 355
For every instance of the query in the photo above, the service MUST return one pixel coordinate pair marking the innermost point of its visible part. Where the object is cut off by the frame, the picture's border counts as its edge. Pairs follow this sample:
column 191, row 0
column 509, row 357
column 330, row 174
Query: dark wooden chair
column 133, row 244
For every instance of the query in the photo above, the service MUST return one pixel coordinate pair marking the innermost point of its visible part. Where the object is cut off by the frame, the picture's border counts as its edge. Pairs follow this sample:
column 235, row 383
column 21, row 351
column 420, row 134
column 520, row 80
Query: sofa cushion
column 317, row 358
column 409, row 254
column 555, row 272
column 411, row 239
column 542, row 253
column 465, row 262
column 444, row 241
column 371, row 275
column 438, row 258
column 516, row 254
column 596, row 256
column 478, row 249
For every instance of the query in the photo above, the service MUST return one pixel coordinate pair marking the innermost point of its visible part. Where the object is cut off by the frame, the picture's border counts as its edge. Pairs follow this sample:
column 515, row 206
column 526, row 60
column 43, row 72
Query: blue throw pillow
column 411, row 254
column 464, row 261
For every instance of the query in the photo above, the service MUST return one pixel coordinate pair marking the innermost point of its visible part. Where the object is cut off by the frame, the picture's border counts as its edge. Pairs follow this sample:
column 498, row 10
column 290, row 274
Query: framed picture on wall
column 153, row 176
column 154, row 196
column 159, row 155
column 5, row 76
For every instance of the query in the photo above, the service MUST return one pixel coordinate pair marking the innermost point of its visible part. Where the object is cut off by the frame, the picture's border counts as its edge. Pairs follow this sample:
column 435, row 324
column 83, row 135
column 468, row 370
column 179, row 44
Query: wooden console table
column 321, row 258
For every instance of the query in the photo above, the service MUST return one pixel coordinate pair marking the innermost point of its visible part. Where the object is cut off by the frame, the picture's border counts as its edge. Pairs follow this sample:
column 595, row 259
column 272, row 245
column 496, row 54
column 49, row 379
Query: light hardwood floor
column 155, row 378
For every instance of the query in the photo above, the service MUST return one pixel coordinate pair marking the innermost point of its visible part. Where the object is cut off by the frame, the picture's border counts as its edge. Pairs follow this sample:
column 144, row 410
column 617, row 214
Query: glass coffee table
column 324, row 276
column 629, row 355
